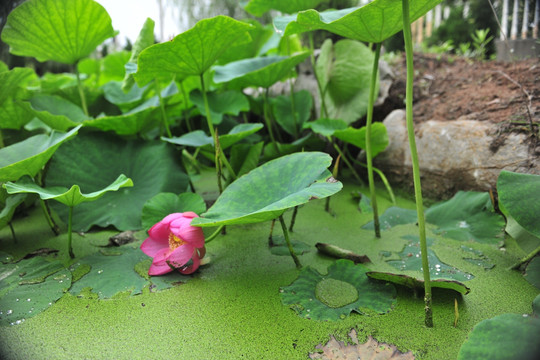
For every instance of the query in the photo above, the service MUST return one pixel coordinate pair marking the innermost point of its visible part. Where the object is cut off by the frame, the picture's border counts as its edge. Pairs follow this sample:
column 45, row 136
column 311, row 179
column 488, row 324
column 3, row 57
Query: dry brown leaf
column 370, row 350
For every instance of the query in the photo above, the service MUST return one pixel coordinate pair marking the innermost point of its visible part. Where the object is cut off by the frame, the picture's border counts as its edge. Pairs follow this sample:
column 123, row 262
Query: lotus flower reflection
column 175, row 245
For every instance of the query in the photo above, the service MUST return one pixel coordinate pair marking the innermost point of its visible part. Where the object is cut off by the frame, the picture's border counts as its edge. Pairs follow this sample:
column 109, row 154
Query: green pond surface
column 231, row 308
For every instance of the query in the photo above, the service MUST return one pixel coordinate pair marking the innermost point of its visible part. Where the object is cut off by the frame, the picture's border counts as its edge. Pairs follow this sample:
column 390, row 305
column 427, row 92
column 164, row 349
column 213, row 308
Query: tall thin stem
column 319, row 86
column 369, row 152
column 184, row 95
column 288, row 241
column 414, row 159
column 81, row 91
column 70, row 217
column 162, row 109
column 212, row 133
column 48, row 217
column 291, row 93
column 266, row 111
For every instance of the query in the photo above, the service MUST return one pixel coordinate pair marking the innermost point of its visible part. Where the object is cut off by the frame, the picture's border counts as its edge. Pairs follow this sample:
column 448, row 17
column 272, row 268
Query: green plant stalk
column 81, row 91
column 162, row 109
column 12, row 232
column 293, row 217
column 70, row 217
column 414, row 158
column 291, row 93
column 186, row 117
column 346, row 161
column 288, row 241
column 212, row 133
column 214, row 234
column 321, row 93
column 369, row 152
column 527, row 258
column 268, row 122
column 384, row 180
column 50, row 221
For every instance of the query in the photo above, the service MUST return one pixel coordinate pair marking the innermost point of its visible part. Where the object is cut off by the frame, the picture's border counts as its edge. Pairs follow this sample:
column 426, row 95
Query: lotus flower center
column 175, row 241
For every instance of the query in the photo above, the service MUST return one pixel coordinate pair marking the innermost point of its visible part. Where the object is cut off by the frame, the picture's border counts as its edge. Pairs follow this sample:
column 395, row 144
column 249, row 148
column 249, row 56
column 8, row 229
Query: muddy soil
column 448, row 88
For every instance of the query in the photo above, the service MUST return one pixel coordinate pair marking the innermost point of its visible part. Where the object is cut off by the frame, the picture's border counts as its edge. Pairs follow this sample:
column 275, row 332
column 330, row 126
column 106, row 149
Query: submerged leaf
column 60, row 30
column 417, row 283
column 269, row 190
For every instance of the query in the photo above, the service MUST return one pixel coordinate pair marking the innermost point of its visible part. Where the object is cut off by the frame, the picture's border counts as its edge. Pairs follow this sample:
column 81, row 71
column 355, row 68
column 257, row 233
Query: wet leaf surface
column 30, row 287
column 334, row 296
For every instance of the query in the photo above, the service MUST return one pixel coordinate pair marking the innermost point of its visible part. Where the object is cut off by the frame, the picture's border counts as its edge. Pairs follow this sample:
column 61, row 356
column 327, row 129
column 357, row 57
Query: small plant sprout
column 70, row 198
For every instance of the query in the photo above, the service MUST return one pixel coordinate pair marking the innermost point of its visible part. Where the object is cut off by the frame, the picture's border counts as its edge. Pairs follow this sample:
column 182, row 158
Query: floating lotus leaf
column 257, row 72
column 193, row 51
column 30, row 287
column 507, row 336
column 105, row 270
column 267, row 191
column 60, row 30
column 417, row 282
column 334, row 296
column 371, row 23
column 29, row 156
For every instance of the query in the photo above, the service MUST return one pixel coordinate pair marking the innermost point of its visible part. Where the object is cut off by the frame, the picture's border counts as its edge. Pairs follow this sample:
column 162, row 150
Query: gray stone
column 453, row 155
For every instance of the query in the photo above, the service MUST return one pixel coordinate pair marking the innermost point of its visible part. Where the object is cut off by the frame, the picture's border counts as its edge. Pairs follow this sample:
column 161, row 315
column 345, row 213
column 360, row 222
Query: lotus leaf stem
column 414, row 159
column 526, row 259
column 47, row 213
column 81, row 91
column 288, row 241
column 162, row 109
column 214, row 234
column 266, row 112
column 369, row 152
column 70, row 217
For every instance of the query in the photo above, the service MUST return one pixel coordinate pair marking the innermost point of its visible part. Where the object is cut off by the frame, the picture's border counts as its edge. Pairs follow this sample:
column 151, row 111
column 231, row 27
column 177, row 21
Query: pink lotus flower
column 173, row 242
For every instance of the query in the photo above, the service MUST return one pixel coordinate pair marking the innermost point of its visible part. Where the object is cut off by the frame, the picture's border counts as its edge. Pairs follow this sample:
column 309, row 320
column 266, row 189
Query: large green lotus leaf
column 13, row 114
column 325, row 127
column 334, row 296
column 193, row 51
column 71, row 197
column 114, row 94
column 137, row 121
column 532, row 274
column 230, row 102
column 519, row 195
column 96, row 159
column 357, row 137
column 30, row 287
column 507, row 336
column 371, row 23
column 29, row 156
column 259, row 7
column 55, row 111
column 144, row 40
column 10, row 205
column 468, row 216
column 258, row 72
column 12, row 80
column 344, row 71
column 269, row 190
column 163, row 204
column 260, row 36
column 60, row 30
column 113, row 67
column 198, row 138
column 245, row 157
column 526, row 241
column 282, row 108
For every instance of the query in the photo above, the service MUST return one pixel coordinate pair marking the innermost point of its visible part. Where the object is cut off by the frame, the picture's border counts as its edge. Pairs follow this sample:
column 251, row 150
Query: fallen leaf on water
column 371, row 349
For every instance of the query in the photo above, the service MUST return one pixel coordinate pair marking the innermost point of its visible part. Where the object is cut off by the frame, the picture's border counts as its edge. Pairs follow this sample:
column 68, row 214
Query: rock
column 453, row 155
